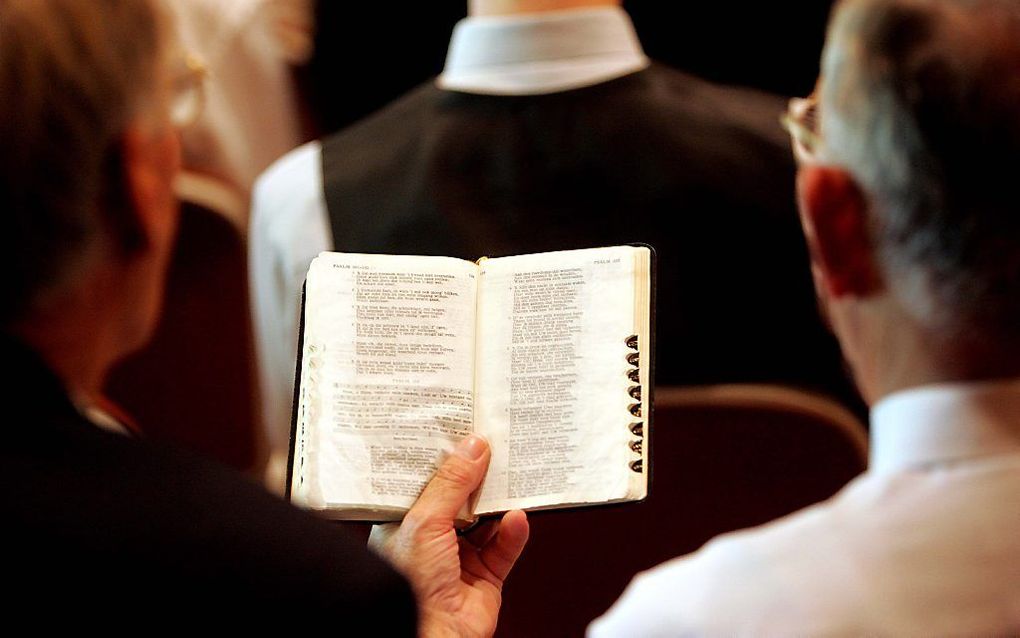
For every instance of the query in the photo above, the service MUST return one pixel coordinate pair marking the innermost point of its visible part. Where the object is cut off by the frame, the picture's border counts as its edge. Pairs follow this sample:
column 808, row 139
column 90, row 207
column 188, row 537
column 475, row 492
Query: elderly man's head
column 87, row 158
column 911, row 196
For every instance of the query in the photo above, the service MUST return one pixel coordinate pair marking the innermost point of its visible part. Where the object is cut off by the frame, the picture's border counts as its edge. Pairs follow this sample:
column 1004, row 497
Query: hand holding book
column 457, row 579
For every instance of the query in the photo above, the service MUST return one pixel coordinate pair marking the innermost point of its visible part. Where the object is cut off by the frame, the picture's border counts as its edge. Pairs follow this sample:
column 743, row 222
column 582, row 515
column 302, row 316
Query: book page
column 387, row 377
column 551, row 383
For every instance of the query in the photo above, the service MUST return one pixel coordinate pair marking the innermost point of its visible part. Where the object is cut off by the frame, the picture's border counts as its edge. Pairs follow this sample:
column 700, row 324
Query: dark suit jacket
column 98, row 525
column 702, row 172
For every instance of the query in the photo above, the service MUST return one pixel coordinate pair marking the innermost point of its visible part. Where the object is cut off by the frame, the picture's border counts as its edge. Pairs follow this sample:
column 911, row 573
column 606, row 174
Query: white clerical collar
column 937, row 424
column 541, row 52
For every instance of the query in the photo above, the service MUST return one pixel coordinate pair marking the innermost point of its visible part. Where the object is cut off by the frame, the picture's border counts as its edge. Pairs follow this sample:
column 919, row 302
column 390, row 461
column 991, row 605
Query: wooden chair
column 723, row 458
column 193, row 384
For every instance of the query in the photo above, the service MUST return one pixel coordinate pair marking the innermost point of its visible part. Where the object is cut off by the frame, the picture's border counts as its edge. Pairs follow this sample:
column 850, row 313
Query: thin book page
column 640, row 423
column 387, row 377
column 551, row 385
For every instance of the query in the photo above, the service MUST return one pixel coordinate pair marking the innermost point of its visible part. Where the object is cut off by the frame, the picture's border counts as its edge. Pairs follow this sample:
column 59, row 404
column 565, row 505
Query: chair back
column 193, row 384
column 723, row 458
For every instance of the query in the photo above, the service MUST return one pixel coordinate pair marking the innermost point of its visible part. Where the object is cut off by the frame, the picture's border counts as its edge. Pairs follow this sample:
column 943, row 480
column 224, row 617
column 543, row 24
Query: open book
column 547, row 355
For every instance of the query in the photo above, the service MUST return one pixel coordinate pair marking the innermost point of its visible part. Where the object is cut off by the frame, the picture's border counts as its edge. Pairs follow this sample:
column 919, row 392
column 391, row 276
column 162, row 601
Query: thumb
column 459, row 475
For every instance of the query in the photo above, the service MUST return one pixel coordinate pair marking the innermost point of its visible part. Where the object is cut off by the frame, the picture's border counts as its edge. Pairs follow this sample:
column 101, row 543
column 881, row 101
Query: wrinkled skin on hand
column 458, row 580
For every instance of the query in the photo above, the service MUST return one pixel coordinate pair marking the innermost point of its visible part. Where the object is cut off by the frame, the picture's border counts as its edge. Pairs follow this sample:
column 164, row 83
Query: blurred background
column 771, row 46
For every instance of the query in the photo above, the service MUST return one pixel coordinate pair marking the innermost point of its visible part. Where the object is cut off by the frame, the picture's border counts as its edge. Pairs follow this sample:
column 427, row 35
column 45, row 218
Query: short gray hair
column 920, row 102
column 71, row 74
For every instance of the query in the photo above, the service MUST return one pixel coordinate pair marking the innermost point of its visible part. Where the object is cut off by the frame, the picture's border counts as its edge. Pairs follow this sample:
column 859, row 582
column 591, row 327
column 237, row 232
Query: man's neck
column 897, row 353
column 514, row 7
column 76, row 335
column 67, row 352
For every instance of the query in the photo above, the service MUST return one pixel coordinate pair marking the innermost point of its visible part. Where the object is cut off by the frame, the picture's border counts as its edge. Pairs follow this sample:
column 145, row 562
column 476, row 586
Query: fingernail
column 472, row 447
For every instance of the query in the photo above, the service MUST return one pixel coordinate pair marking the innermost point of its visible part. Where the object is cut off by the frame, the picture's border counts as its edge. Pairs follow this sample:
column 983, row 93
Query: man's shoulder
column 730, row 586
column 295, row 174
column 288, row 209
column 150, row 526
column 888, row 554
column 402, row 117
column 683, row 103
column 685, row 83
column 384, row 146
column 74, row 474
column 660, row 105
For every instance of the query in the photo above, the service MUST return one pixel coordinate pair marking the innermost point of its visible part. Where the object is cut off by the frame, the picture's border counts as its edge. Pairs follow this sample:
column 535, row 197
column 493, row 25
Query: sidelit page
column 552, row 384
column 386, row 379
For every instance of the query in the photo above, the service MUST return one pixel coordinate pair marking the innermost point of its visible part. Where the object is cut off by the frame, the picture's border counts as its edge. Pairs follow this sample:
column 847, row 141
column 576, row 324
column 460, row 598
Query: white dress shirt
column 925, row 543
column 520, row 55
column 102, row 419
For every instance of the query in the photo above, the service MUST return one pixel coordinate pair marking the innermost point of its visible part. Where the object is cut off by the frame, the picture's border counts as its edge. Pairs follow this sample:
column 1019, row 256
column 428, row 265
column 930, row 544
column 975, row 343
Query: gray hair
column 920, row 102
column 71, row 74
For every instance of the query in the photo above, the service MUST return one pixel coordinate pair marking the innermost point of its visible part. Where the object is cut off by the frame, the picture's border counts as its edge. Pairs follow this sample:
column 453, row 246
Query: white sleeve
column 642, row 610
column 289, row 227
column 675, row 598
column 738, row 584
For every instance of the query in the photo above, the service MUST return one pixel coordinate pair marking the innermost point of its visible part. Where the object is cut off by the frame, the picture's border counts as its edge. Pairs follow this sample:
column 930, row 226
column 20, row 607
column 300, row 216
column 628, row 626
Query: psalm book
column 547, row 355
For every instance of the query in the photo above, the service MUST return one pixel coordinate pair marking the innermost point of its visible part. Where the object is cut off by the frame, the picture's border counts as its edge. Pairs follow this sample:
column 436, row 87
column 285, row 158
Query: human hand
column 458, row 580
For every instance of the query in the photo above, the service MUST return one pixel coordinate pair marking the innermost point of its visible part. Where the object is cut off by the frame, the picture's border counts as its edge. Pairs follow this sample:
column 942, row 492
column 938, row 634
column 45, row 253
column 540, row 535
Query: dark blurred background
column 367, row 54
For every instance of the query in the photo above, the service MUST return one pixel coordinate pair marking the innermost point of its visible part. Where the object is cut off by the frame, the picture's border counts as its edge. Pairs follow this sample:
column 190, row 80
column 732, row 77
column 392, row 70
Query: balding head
column 920, row 104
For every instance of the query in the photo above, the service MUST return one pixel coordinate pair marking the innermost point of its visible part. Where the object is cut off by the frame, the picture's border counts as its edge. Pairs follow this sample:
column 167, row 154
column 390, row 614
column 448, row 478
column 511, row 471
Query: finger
column 502, row 551
column 459, row 475
column 483, row 533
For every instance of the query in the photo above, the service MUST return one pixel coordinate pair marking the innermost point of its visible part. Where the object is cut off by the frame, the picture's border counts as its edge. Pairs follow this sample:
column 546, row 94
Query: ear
column 834, row 215
column 144, row 175
column 149, row 164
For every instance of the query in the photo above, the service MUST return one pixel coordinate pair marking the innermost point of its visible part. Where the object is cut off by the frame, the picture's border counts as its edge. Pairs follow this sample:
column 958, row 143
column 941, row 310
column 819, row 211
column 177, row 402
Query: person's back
column 95, row 519
column 907, row 153
column 513, row 150
column 103, row 528
column 924, row 543
column 657, row 157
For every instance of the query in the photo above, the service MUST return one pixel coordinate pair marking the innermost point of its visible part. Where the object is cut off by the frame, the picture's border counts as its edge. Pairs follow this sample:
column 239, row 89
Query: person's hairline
column 847, row 143
column 141, row 108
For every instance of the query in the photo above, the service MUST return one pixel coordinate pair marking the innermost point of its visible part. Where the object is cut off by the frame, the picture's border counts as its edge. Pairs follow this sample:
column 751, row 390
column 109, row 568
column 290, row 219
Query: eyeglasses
column 188, row 98
column 801, row 121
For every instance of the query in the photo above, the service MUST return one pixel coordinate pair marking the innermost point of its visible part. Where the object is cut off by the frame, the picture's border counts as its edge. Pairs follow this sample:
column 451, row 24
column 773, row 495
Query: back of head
column 920, row 102
column 72, row 74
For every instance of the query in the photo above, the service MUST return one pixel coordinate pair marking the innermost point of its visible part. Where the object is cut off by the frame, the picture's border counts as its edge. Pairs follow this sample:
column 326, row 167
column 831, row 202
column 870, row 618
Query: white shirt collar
column 102, row 419
column 541, row 53
column 937, row 424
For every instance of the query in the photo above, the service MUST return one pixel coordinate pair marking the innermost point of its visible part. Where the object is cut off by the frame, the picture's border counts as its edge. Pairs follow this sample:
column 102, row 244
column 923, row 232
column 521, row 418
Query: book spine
column 637, row 425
